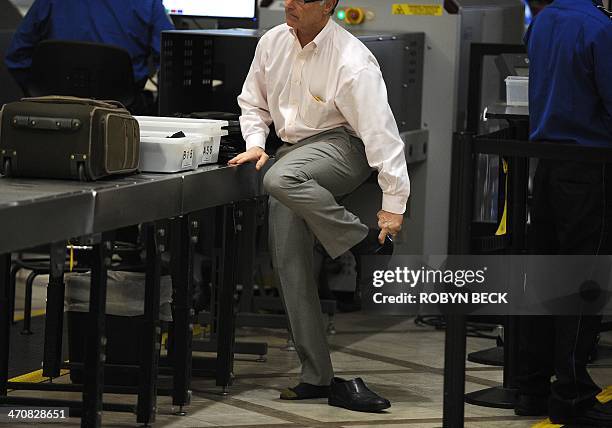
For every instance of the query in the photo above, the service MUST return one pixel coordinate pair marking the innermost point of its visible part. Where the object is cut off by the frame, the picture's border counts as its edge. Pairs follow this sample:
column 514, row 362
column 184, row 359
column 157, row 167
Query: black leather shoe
column 528, row 405
column 355, row 395
column 370, row 246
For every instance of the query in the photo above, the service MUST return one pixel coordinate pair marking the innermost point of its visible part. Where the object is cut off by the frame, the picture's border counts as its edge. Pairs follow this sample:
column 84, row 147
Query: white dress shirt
column 334, row 81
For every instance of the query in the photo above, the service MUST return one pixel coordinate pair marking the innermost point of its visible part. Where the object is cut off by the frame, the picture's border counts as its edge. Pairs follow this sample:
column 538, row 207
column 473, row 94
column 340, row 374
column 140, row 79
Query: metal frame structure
column 465, row 147
column 93, row 210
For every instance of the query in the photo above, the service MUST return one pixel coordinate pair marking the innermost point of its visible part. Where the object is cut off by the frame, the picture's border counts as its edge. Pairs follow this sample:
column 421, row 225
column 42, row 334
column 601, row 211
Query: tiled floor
column 398, row 359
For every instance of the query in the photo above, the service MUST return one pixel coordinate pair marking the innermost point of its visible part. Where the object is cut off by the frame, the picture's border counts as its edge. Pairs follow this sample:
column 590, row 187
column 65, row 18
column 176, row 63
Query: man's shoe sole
column 286, row 396
column 373, row 409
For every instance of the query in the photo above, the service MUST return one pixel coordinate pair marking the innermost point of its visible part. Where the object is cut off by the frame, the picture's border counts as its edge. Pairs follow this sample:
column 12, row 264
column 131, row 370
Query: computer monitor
column 222, row 9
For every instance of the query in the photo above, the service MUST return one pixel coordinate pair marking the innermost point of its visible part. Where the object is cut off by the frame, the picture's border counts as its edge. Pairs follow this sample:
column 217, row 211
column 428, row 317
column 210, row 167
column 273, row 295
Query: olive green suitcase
column 67, row 138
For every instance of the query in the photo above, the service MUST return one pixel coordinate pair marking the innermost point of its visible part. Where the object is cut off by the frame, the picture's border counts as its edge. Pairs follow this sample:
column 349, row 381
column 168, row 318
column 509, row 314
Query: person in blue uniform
column 134, row 25
column 570, row 100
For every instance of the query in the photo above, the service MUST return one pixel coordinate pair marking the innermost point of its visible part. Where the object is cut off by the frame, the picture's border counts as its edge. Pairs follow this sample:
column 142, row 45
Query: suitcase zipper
column 107, row 104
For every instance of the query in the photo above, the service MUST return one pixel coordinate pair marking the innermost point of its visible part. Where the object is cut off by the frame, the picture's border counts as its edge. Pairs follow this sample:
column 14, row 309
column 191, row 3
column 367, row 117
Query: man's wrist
column 256, row 140
column 394, row 204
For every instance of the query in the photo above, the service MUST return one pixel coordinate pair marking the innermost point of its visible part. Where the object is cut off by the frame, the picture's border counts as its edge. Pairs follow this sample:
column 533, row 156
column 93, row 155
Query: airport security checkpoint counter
column 38, row 211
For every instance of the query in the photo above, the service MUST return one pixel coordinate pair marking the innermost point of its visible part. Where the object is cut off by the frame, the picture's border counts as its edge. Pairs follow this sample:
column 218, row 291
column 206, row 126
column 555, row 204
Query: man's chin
column 291, row 21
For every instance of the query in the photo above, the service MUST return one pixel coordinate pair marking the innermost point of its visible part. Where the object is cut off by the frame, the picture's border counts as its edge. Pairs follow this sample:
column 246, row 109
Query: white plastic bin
column 517, row 91
column 161, row 154
column 209, row 132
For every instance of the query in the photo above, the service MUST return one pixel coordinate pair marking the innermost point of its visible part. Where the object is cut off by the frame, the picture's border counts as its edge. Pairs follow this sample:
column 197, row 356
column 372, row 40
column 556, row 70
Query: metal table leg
column 5, row 319
column 54, row 319
column 184, row 237
column 95, row 351
column 225, row 313
column 12, row 291
column 151, row 330
column 247, row 214
column 27, row 306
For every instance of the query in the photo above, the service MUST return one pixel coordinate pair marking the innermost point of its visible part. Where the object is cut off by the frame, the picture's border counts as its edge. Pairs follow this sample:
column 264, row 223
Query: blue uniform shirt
column 134, row 25
column 570, row 76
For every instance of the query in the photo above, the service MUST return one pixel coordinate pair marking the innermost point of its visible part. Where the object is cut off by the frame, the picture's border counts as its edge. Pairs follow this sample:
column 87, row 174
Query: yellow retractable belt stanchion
column 502, row 229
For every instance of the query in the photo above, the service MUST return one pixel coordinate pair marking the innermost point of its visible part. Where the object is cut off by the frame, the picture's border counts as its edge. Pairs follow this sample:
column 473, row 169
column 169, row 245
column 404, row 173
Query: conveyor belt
column 59, row 209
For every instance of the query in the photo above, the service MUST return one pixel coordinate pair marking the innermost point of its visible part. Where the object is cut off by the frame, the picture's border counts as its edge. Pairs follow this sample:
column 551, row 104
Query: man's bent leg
column 292, row 248
column 310, row 175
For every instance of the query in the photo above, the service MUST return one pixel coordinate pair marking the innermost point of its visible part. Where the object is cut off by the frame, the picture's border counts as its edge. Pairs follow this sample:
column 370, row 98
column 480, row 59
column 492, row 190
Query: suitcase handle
column 46, row 123
column 56, row 99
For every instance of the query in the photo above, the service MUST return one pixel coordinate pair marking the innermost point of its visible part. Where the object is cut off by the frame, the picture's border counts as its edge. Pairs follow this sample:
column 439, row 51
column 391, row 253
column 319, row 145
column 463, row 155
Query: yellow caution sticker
column 416, row 9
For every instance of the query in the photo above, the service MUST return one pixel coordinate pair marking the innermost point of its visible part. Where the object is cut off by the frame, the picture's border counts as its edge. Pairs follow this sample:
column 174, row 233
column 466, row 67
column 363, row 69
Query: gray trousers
column 303, row 184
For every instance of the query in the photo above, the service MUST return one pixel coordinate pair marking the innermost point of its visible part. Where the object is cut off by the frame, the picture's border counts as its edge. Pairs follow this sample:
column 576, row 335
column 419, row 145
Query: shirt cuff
column 256, row 140
column 395, row 204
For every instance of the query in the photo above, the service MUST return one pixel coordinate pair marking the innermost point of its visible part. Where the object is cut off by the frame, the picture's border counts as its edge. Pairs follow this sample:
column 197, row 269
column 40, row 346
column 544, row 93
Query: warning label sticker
column 416, row 9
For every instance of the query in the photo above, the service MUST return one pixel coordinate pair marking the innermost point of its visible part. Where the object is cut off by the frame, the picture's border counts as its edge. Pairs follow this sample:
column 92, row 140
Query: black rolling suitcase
column 67, row 137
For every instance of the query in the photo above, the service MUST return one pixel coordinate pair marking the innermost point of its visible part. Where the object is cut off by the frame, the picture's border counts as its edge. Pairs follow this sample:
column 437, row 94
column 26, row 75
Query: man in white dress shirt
column 324, row 92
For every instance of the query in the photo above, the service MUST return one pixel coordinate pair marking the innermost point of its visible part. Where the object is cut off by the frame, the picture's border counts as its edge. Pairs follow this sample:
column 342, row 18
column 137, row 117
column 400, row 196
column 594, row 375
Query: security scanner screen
column 212, row 8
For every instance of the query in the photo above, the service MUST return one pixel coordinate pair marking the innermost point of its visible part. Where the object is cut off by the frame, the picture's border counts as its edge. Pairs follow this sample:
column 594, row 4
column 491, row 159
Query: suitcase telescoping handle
column 46, row 123
column 56, row 99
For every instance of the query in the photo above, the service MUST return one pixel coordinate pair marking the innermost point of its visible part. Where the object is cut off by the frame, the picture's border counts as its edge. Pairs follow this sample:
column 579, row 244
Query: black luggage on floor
column 67, row 137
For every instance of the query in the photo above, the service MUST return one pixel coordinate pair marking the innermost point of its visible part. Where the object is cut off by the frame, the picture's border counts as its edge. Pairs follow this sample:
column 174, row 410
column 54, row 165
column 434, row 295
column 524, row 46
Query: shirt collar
column 320, row 38
column 324, row 33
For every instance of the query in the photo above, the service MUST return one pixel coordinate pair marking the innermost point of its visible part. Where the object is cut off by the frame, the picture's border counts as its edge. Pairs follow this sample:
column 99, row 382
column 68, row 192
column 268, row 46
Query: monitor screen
column 244, row 9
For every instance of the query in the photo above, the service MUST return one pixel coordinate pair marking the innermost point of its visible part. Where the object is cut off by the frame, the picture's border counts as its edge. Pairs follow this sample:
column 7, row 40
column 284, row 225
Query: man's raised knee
column 272, row 183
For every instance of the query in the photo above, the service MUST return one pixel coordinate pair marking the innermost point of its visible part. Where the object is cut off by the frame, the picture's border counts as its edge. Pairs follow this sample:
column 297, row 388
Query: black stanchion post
column 519, row 176
column 462, row 181
column 504, row 396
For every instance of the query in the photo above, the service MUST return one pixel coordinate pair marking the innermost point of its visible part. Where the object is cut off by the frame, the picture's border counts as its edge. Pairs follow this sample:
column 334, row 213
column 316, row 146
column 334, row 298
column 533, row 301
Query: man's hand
column 389, row 224
column 254, row 154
